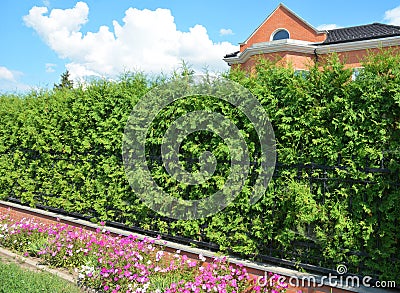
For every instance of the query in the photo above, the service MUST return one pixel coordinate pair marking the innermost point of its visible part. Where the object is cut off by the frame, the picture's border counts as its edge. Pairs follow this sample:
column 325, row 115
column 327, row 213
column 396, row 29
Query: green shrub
column 63, row 148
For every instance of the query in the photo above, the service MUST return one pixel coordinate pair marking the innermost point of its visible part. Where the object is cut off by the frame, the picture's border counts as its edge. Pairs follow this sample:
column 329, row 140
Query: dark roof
column 352, row 34
column 362, row 32
column 234, row 54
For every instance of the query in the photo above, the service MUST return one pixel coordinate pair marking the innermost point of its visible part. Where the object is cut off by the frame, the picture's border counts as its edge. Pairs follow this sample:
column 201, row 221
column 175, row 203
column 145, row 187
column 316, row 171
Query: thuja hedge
column 63, row 148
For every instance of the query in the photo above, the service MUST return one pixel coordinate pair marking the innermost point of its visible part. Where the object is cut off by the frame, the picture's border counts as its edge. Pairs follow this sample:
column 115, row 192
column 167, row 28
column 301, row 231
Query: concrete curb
column 35, row 264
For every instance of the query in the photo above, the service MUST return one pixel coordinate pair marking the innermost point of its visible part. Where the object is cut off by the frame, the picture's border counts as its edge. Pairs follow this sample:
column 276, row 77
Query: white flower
column 159, row 255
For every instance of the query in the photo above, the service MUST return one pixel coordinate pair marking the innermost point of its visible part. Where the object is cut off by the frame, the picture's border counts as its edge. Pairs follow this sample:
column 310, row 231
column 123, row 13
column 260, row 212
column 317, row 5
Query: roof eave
column 310, row 48
column 287, row 45
column 359, row 45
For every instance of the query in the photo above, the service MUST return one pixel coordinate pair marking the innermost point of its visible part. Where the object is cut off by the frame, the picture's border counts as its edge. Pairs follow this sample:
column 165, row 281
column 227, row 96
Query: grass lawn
column 17, row 279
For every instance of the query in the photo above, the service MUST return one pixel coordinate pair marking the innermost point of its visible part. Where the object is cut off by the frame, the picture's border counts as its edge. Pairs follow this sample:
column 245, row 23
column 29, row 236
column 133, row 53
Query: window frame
column 303, row 73
column 277, row 31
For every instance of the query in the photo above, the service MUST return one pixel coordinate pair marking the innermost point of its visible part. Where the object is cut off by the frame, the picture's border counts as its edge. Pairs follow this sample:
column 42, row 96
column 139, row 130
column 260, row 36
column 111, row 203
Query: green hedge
column 65, row 147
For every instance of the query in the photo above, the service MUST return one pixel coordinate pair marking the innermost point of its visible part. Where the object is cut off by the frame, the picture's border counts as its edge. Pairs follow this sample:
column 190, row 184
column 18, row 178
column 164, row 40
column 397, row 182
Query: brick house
column 286, row 38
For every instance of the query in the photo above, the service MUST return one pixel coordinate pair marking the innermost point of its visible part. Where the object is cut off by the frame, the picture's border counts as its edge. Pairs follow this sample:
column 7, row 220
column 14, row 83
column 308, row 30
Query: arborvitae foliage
column 64, row 149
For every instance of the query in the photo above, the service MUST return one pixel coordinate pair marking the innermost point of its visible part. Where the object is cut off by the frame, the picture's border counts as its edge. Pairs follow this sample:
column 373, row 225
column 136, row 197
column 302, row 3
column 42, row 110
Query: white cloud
column 50, row 67
column 146, row 40
column 225, row 32
column 14, row 87
column 9, row 81
column 393, row 16
column 6, row 74
column 330, row 26
column 78, row 70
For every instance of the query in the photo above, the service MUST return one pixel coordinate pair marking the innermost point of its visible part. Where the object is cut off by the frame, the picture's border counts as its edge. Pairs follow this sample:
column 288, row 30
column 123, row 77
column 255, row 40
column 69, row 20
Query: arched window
column 280, row 35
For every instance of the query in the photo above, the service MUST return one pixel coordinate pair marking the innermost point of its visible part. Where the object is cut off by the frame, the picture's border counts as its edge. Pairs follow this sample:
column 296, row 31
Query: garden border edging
column 36, row 265
column 254, row 268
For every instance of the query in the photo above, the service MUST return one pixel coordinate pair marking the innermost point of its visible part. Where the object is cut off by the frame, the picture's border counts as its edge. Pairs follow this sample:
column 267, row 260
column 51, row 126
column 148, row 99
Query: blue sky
column 40, row 39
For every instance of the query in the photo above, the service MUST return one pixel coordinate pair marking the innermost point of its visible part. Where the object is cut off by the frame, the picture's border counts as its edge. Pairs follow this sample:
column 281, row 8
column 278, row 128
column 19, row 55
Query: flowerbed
column 107, row 263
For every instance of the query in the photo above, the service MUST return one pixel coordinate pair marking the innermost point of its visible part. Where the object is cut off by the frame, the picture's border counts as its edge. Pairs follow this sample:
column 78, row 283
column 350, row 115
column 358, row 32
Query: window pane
column 281, row 35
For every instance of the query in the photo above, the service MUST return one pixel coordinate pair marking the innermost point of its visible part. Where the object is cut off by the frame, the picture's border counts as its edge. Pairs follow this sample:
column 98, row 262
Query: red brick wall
column 354, row 58
column 299, row 60
column 295, row 60
column 18, row 214
column 303, row 61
